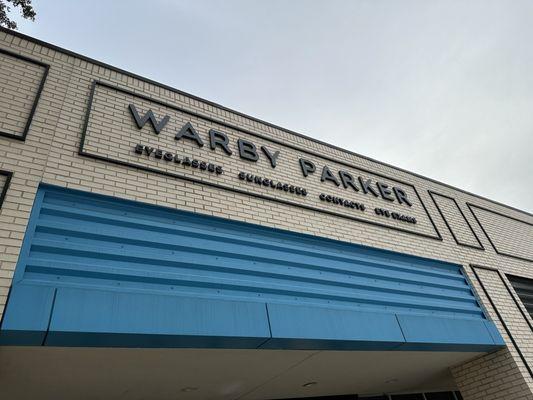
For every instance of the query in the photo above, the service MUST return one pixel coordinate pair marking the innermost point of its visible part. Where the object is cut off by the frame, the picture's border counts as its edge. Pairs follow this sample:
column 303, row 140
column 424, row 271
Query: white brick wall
column 50, row 154
column 503, row 233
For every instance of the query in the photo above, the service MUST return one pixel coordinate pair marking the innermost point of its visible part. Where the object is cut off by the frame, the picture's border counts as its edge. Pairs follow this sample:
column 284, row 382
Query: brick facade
column 50, row 154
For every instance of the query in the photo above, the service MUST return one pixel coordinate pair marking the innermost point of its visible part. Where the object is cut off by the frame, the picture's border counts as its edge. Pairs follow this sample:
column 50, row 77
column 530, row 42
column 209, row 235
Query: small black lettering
column 148, row 150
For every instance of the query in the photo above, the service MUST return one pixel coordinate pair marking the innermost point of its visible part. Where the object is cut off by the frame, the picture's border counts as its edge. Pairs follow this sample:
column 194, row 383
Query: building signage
column 247, row 150
column 160, row 137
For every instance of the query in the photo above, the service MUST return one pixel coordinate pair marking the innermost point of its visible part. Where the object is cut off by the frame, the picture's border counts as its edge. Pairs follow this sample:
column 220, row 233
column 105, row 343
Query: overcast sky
column 441, row 88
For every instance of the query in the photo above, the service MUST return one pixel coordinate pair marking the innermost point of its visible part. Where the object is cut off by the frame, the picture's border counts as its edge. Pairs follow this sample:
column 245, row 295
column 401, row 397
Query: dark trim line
column 45, row 336
column 3, row 193
column 471, row 206
column 474, row 291
column 82, row 152
column 5, row 305
column 211, row 103
column 8, row 175
column 527, row 317
column 432, row 195
column 473, row 266
column 37, row 95
column 485, row 268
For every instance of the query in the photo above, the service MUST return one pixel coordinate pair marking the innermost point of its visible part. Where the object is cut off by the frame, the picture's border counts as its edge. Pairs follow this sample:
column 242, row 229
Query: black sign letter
column 401, row 196
column 307, row 167
column 158, row 126
column 139, row 149
column 247, row 150
column 272, row 157
column 217, row 138
column 328, row 176
column 365, row 185
column 188, row 132
column 385, row 191
column 347, row 180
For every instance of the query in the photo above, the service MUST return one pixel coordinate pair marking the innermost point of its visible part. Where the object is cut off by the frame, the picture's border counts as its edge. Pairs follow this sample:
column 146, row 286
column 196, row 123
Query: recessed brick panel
column 456, row 221
column 20, row 82
column 112, row 133
column 512, row 317
column 510, row 236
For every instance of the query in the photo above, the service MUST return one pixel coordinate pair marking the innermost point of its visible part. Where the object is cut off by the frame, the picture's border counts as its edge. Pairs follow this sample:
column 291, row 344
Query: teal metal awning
column 100, row 271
